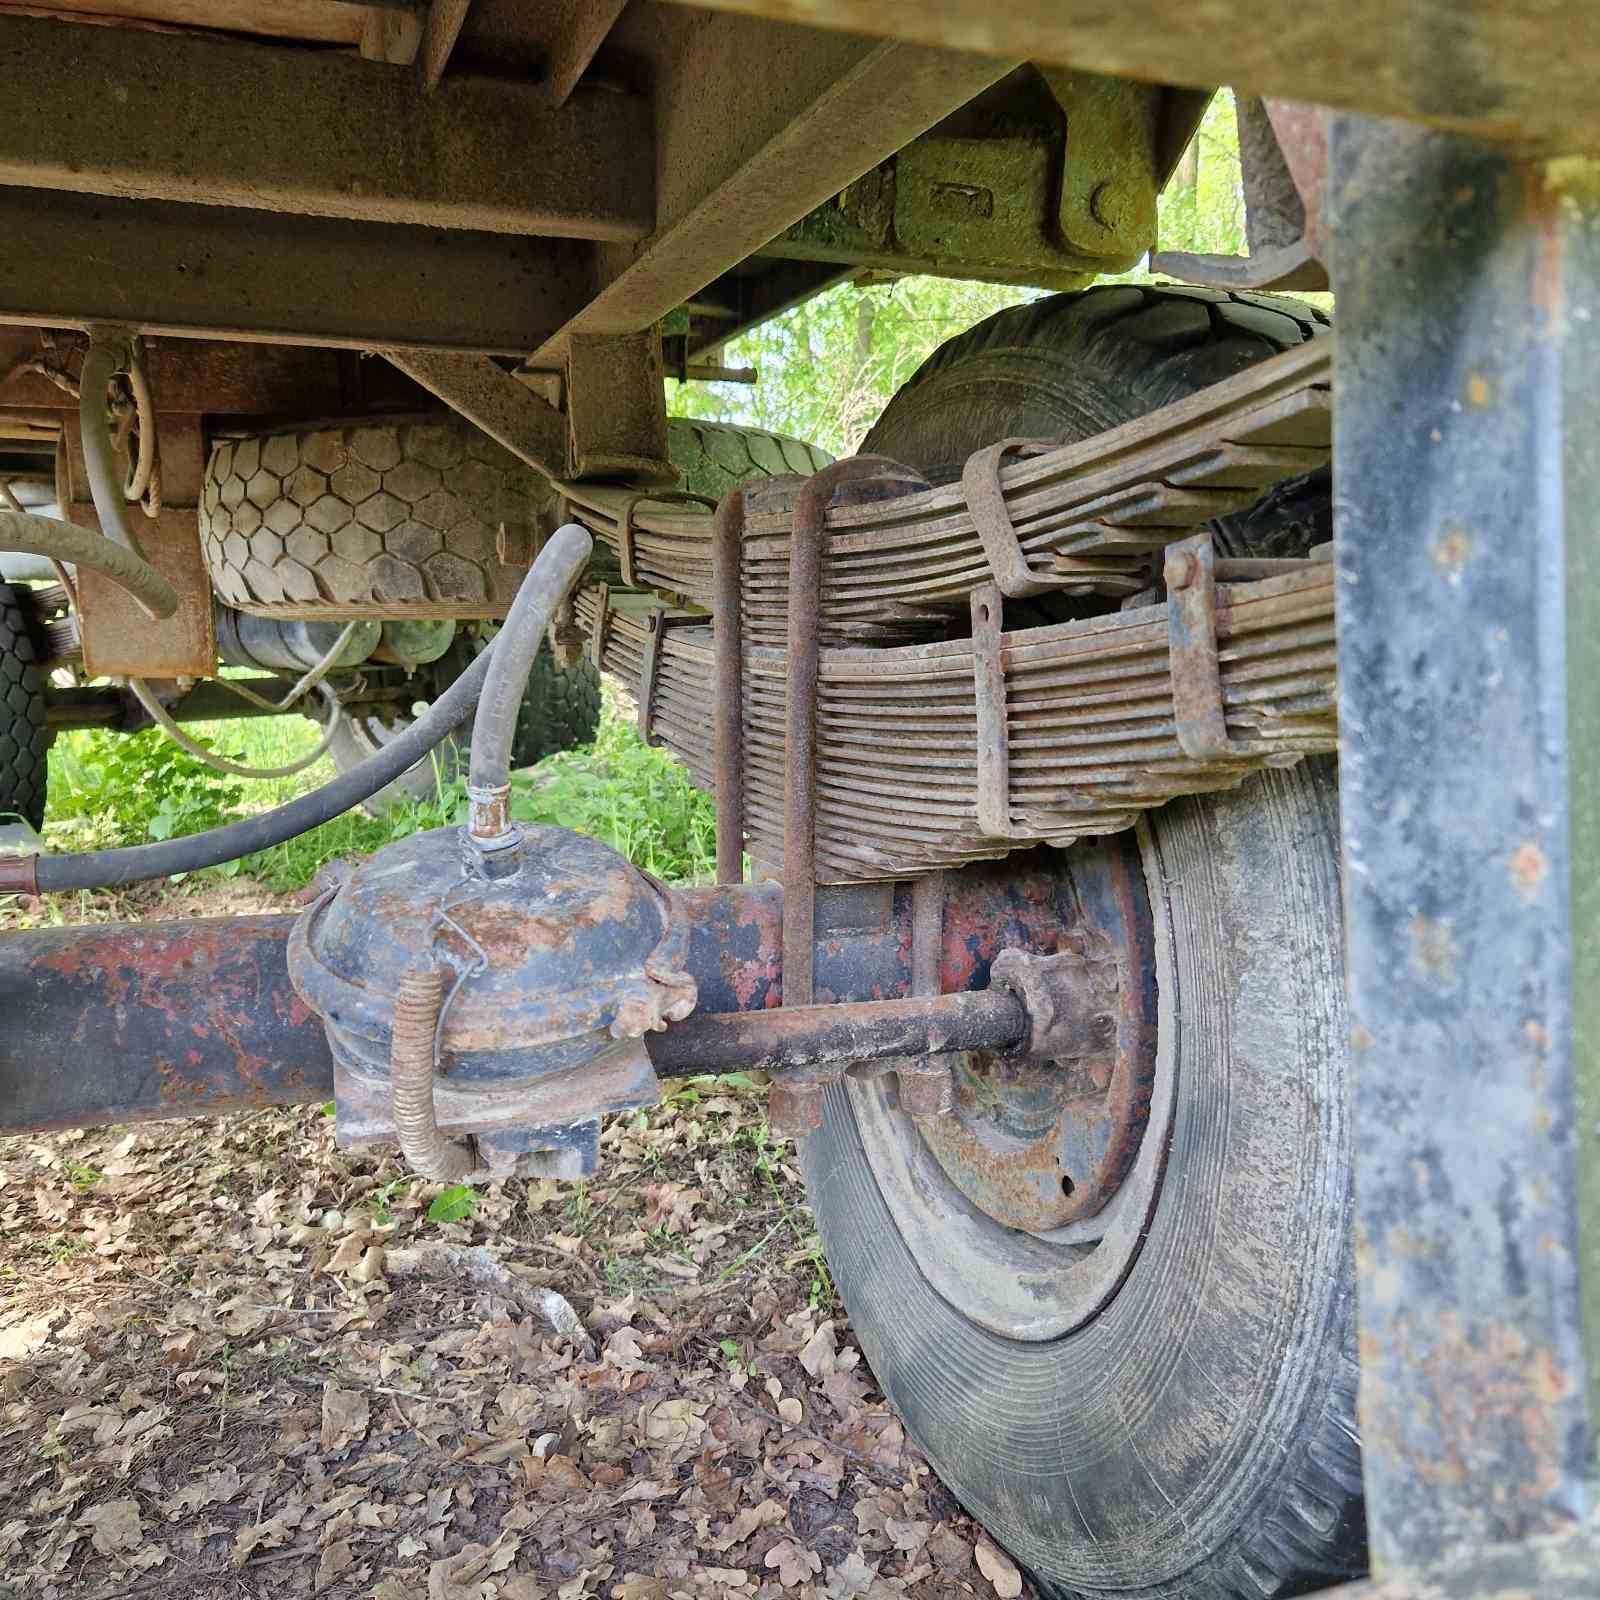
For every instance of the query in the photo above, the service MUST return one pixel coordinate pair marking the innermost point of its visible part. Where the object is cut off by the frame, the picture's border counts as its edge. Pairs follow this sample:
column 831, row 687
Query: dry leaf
column 369, row 1267
column 216, row 1488
column 820, row 1353
column 334, row 1560
column 115, row 1525
column 999, row 1569
column 641, row 1588
column 794, row 1562
column 852, row 1577
column 747, row 1522
column 909, row 1536
column 345, row 1414
column 791, row 1411
column 675, row 1422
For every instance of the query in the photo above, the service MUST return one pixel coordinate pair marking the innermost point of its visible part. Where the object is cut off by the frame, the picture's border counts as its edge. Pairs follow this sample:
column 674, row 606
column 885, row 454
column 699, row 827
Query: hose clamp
column 489, row 825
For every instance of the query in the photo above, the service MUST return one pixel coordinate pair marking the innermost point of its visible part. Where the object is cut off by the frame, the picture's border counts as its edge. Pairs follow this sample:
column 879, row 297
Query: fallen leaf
column 351, row 1249
column 791, row 1411
column 345, row 1414
column 334, row 1560
column 794, row 1562
column 999, row 1569
column 370, row 1266
column 216, row 1488
column 115, row 1525
column 820, row 1353
column 907, row 1537
column 746, row 1523
column 675, row 1421
column 852, row 1577
column 640, row 1588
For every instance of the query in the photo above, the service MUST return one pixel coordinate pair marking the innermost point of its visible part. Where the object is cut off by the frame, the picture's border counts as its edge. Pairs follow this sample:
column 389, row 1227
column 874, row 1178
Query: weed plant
column 109, row 789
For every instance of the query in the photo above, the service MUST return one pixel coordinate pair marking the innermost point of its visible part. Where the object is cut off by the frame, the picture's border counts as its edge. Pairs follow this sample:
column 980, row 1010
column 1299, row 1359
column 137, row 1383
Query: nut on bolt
column 926, row 1088
column 794, row 1106
column 1070, row 997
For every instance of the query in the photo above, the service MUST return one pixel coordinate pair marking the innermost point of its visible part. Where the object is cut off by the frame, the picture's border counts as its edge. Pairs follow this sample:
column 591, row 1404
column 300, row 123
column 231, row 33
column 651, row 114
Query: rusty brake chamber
column 464, row 973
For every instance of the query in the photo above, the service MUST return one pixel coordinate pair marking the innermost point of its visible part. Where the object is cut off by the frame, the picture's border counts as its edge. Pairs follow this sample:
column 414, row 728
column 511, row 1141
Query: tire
column 406, row 517
column 715, row 457
column 561, row 709
column 1194, row 1435
column 1073, row 365
column 24, row 738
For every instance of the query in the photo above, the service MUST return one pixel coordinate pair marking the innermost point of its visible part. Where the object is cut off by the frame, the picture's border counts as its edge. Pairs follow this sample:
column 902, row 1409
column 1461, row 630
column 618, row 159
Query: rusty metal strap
column 602, row 616
column 986, row 502
column 625, row 526
column 1191, row 578
column 656, row 627
column 989, row 692
column 727, row 707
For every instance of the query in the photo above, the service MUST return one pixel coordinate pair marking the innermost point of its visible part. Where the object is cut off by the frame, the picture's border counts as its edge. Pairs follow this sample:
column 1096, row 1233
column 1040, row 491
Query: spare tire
column 561, row 708
column 421, row 516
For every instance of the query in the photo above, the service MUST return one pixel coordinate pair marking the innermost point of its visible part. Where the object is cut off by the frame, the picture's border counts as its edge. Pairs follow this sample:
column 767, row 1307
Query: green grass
column 109, row 789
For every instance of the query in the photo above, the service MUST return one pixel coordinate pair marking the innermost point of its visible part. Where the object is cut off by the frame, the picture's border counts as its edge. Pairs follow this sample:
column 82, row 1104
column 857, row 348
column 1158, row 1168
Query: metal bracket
column 1190, row 574
column 1284, row 152
column 727, row 708
column 656, row 626
column 989, row 691
column 986, row 501
column 626, row 529
column 602, row 617
column 616, row 422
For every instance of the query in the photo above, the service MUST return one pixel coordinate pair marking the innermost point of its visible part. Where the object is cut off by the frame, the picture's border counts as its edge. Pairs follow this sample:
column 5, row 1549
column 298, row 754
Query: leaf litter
column 237, row 1361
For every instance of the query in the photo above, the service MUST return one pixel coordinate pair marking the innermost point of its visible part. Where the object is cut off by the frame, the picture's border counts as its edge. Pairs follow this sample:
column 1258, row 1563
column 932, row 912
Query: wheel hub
column 1042, row 1139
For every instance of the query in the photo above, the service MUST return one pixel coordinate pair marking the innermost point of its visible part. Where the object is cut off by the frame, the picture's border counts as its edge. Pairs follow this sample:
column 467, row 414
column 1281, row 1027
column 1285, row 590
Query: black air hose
column 548, row 580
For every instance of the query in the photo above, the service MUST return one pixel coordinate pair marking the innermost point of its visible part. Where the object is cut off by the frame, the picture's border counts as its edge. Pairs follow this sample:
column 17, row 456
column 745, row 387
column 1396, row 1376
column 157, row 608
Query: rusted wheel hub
column 1042, row 1138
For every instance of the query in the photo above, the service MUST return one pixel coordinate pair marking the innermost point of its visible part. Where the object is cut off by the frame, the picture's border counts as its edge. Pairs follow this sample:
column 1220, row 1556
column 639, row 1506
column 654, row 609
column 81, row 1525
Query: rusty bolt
column 794, row 1107
column 926, row 1089
column 1179, row 570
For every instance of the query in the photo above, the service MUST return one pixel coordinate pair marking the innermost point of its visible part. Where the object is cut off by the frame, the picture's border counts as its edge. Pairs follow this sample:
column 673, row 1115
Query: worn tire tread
column 24, row 734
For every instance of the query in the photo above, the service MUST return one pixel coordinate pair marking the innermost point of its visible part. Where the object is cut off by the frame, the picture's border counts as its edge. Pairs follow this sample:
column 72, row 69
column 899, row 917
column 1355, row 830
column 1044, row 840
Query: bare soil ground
column 236, row 1361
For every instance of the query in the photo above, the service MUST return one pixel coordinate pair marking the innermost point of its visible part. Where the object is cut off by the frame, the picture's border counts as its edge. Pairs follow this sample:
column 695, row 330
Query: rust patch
column 1433, row 949
column 1529, row 867
column 1451, row 551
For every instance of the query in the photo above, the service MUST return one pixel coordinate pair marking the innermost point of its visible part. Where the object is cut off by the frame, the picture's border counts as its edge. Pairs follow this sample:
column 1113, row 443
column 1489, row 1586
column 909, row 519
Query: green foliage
column 454, row 1204
column 111, row 789
column 1202, row 209
column 829, row 366
column 635, row 798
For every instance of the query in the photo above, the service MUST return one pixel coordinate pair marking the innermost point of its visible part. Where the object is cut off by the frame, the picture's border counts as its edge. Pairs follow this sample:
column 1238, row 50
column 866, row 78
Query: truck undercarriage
column 1200, row 1129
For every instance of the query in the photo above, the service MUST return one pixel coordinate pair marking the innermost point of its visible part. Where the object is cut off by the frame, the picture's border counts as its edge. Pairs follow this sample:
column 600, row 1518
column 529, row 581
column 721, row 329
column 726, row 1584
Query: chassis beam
column 737, row 168
column 172, row 116
column 226, row 272
column 1468, row 552
column 1517, row 72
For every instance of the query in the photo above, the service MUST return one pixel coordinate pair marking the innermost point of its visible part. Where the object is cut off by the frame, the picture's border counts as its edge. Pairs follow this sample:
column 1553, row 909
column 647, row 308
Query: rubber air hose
column 548, row 580
column 494, row 728
column 108, row 354
column 26, row 534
